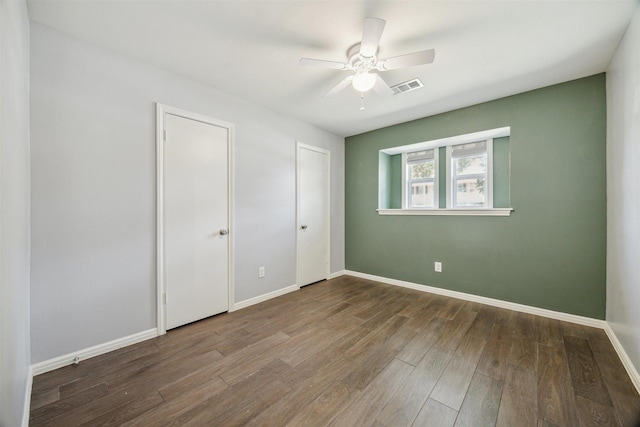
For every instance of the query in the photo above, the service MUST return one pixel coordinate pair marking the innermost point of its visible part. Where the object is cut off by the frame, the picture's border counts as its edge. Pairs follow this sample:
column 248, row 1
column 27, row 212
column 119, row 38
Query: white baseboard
column 337, row 274
column 624, row 358
column 26, row 410
column 68, row 359
column 587, row 321
column 261, row 298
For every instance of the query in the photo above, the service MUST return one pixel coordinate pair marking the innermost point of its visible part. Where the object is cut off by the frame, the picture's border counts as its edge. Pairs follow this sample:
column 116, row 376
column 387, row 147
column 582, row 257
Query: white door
column 195, row 219
column 313, row 214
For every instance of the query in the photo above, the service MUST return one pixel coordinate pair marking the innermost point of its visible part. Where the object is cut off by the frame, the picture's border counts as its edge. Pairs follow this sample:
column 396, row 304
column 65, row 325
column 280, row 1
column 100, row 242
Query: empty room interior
column 313, row 213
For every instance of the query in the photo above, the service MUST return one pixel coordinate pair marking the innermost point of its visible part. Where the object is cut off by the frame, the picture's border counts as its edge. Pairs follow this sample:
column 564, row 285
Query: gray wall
column 93, row 192
column 623, row 197
column 14, row 210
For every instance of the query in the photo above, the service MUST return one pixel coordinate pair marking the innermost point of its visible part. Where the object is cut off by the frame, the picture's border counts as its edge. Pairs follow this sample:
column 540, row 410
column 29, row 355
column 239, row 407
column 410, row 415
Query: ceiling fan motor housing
column 358, row 62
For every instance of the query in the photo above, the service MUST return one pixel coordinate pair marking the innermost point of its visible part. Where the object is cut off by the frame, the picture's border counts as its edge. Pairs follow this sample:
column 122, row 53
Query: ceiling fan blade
column 371, row 34
column 408, row 60
column 321, row 63
column 344, row 83
column 381, row 87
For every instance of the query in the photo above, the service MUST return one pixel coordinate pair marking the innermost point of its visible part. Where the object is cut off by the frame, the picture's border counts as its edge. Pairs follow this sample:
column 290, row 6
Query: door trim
column 299, row 146
column 161, row 110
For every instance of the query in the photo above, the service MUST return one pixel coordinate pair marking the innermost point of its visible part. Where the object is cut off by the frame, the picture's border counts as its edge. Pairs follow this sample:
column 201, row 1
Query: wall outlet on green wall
column 437, row 266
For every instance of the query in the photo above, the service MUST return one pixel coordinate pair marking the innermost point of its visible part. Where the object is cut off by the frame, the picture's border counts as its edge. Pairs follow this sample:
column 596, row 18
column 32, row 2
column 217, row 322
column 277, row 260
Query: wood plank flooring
column 350, row 352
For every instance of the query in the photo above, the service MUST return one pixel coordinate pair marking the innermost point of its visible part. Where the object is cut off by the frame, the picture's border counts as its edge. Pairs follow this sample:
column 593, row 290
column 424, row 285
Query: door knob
column 223, row 232
column 304, row 227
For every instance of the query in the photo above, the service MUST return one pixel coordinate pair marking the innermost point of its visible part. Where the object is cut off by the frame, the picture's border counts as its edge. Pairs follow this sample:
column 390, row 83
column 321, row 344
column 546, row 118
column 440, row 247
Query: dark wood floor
column 350, row 352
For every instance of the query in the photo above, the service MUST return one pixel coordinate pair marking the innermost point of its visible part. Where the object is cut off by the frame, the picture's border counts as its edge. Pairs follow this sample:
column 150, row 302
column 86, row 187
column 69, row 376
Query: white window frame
column 406, row 181
column 451, row 177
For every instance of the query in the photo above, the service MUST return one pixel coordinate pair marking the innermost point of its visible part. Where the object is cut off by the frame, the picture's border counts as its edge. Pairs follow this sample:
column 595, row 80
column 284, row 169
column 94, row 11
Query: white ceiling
column 484, row 49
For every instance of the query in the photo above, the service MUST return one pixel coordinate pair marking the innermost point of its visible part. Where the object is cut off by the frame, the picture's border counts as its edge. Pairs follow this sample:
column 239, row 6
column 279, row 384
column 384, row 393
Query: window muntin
column 421, row 189
column 470, row 175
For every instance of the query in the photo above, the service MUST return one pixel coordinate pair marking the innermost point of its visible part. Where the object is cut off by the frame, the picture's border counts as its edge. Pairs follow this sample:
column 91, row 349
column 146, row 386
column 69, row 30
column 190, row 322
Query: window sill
column 450, row 212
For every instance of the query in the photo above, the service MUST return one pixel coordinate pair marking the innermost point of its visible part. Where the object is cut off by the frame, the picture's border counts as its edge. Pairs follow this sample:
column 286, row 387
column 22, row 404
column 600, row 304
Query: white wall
column 623, row 195
column 93, row 191
column 14, row 211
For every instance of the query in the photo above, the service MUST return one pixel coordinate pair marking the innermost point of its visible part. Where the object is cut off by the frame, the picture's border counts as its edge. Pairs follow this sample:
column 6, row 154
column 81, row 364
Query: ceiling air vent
column 407, row 86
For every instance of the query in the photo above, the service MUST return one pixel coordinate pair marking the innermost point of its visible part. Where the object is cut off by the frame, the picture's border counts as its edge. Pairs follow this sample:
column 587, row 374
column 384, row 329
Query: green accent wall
column 551, row 251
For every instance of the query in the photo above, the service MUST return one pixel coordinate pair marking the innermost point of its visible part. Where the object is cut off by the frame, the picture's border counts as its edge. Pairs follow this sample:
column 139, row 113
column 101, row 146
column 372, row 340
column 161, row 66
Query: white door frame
column 161, row 110
column 300, row 145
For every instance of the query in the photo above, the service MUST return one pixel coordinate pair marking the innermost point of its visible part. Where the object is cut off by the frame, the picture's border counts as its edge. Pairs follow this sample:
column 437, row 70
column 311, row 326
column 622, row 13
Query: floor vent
column 407, row 86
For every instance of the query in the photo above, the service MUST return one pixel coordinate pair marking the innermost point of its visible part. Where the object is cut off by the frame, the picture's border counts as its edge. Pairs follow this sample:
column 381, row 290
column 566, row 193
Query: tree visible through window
column 421, row 179
column 469, row 165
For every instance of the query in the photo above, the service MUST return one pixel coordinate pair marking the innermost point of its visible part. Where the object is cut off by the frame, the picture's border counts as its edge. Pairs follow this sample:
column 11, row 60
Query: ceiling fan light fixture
column 363, row 82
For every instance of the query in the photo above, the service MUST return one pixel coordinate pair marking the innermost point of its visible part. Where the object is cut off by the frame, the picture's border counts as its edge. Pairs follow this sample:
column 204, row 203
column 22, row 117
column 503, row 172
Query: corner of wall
column 15, row 375
column 623, row 202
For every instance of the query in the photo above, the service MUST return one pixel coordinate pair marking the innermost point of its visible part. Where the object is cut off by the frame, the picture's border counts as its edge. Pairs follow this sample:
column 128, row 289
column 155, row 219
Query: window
column 458, row 175
column 470, row 174
column 421, row 172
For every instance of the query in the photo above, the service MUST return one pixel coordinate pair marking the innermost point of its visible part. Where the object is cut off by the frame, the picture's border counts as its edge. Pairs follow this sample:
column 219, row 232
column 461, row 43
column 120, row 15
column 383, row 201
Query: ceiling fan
column 362, row 60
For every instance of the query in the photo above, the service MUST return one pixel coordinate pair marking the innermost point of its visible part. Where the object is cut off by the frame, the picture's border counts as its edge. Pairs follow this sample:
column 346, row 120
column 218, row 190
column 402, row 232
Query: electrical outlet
column 260, row 272
column 438, row 267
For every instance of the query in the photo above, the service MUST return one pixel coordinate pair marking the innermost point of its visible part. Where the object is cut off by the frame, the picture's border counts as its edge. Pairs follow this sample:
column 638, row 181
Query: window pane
column 421, row 195
column 421, row 170
column 470, row 192
column 470, row 165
